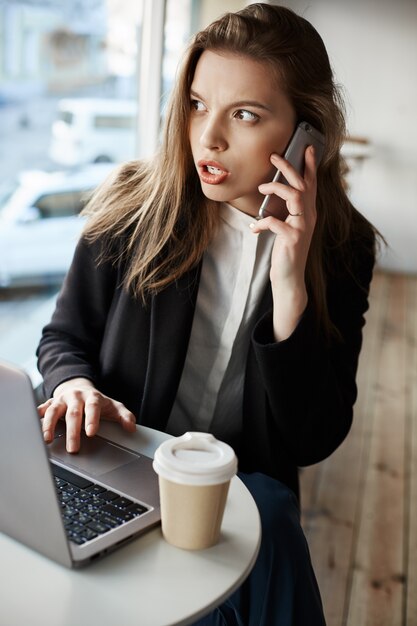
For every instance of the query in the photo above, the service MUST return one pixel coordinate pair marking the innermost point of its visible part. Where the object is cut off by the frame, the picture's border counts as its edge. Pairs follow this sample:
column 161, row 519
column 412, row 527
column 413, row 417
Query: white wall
column 373, row 48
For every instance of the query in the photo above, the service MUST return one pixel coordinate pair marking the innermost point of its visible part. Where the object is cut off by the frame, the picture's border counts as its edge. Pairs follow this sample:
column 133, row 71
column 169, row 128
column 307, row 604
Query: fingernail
column 47, row 436
column 89, row 430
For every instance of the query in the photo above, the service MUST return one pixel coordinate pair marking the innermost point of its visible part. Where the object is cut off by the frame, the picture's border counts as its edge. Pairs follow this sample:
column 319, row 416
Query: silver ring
column 297, row 214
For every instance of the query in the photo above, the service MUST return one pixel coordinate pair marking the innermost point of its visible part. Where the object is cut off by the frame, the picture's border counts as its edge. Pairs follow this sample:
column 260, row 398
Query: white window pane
column 68, row 99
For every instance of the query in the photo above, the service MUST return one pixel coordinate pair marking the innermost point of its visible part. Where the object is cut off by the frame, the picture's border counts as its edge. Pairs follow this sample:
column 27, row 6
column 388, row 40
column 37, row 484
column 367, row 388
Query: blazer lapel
column 171, row 321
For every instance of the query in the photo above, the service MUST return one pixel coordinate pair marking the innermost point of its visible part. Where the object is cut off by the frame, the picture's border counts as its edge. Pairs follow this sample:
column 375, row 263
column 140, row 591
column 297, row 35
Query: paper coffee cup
column 194, row 476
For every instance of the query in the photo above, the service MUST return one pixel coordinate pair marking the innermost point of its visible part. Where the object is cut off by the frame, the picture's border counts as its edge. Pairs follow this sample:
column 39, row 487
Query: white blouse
column 234, row 275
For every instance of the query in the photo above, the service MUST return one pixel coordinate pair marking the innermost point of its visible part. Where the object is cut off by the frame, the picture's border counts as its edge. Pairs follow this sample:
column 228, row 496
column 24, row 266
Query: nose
column 213, row 135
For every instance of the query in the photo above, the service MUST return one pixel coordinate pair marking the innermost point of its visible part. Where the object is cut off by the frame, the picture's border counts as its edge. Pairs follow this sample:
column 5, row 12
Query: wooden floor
column 360, row 505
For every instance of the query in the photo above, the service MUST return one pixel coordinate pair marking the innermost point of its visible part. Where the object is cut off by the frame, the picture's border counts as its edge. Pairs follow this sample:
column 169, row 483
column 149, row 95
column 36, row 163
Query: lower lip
column 212, row 179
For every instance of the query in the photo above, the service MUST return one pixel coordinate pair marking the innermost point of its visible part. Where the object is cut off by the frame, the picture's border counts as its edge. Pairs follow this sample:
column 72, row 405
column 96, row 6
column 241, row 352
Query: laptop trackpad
column 96, row 456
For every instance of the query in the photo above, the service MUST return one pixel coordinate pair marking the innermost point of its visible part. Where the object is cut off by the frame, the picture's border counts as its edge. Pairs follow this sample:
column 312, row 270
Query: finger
column 294, row 198
column 92, row 411
column 293, row 177
column 310, row 168
column 128, row 420
column 276, row 226
column 74, row 418
column 119, row 413
column 41, row 408
column 53, row 412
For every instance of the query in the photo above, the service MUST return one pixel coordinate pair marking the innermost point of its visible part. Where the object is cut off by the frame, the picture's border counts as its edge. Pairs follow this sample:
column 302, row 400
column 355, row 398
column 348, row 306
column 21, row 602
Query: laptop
column 71, row 508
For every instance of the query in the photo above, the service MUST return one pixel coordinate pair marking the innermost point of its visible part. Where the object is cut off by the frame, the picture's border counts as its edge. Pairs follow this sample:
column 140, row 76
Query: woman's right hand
column 78, row 401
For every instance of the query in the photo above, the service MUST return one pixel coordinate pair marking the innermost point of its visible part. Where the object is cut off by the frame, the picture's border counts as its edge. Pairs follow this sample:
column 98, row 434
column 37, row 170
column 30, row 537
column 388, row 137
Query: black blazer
column 298, row 393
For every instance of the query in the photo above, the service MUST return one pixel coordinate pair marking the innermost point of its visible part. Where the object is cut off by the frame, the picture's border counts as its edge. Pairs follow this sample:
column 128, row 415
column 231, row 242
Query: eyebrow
column 238, row 103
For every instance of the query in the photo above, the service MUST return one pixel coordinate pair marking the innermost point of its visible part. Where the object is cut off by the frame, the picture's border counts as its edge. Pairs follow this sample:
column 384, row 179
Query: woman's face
column 239, row 117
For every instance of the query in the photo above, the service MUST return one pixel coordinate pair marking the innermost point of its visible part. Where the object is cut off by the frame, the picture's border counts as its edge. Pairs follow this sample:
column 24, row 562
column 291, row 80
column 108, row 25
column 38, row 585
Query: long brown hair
column 158, row 206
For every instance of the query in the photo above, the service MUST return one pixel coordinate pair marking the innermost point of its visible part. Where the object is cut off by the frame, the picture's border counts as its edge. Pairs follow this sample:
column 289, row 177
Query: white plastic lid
column 195, row 459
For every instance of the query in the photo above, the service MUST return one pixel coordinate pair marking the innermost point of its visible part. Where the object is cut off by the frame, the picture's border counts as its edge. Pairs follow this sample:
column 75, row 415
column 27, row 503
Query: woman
column 181, row 312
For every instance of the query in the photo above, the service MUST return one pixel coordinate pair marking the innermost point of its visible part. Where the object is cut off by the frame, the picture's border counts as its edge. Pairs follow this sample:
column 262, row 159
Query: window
column 61, row 204
column 51, row 52
column 114, row 121
column 66, row 116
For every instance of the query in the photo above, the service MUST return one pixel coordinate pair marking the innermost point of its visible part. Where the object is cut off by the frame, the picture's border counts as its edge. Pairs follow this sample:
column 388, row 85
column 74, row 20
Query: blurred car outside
column 40, row 223
column 93, row 130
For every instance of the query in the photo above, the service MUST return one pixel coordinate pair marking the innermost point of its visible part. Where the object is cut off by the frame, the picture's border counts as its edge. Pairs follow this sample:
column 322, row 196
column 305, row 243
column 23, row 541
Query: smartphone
column 305, row 135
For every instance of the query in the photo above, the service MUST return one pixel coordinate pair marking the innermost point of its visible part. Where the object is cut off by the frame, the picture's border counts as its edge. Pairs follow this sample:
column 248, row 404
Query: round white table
column 145, row 583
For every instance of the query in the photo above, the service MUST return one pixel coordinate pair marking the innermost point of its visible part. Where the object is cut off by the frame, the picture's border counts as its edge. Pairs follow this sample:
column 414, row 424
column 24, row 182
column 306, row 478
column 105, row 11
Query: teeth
column 213, row 170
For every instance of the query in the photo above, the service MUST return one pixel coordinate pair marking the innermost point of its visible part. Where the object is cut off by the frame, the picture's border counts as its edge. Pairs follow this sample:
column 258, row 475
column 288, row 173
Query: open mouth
column 214, row 170
column 212, row 173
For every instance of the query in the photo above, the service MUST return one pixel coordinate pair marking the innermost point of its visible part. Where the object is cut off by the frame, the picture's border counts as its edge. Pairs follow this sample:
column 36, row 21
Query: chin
column 214, row 193
column 247, row 205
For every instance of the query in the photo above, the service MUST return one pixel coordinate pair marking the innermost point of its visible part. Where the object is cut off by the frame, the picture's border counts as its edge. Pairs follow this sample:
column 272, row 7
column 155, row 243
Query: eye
column 197, row 105
column 246, row 116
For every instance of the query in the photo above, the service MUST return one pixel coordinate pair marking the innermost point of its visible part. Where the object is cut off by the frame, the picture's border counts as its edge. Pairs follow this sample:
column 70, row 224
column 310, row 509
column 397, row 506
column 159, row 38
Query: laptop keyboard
column 88, row 509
